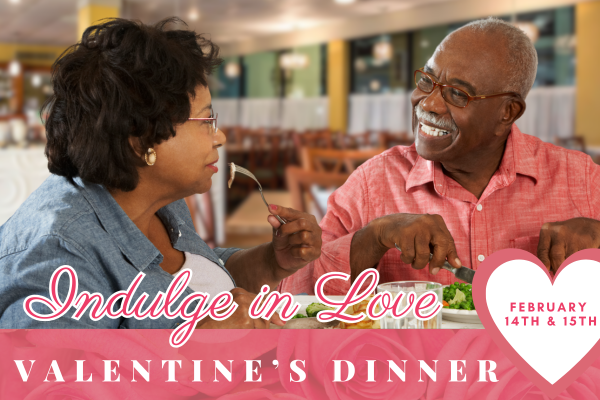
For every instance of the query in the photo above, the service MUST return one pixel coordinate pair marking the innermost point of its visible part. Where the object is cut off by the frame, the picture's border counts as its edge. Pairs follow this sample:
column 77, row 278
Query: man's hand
column 559, row 240
column 418, row 235
column 240, row 319
column 297, row 242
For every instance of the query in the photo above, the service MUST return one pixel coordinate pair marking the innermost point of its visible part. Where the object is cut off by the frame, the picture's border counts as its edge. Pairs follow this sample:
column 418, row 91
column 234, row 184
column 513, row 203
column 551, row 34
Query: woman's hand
column 240, row 319
column 296, row 243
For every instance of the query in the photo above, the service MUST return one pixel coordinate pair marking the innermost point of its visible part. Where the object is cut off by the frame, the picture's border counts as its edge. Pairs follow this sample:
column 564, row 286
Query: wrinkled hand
column 419, row 235
column 559, row 240
column 296, row 243
column 240, row 319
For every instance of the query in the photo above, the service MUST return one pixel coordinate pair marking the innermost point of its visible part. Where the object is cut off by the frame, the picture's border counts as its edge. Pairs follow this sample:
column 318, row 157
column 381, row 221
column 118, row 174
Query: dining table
column 305, row 300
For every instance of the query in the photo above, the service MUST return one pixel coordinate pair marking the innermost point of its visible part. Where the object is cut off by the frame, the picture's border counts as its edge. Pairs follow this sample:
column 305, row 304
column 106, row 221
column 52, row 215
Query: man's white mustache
column 432, row 118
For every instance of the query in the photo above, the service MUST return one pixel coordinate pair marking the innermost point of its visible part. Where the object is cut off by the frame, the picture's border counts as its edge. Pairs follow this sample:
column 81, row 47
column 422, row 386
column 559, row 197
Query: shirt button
column 479, row 207
column 179, row 233
column 481, row 257
column 221, row 261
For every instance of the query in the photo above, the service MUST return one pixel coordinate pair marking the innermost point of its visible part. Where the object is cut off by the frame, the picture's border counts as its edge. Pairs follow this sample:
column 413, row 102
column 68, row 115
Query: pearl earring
column 150, row 156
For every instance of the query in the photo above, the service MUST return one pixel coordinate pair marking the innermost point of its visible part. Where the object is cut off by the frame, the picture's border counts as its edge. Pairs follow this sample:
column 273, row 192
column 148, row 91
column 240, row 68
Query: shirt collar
column 524, row 159
column 421, row 173
column 131, row 241
column 517, row 159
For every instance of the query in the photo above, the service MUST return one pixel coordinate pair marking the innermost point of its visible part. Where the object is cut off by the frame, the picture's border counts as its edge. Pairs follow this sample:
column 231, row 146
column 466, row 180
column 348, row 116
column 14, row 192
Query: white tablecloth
column 291, row 113
column 21, row 172
column 550, row 113
column 260, row 113
column 228, row 110
column 389, row 112
column 305, row 113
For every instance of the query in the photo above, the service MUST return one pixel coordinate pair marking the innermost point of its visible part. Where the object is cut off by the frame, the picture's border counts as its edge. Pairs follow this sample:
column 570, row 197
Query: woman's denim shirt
column 82, row 226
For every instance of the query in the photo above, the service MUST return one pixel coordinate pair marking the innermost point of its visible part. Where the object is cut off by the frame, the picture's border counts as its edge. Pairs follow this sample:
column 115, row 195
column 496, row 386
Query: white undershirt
column 207, row 276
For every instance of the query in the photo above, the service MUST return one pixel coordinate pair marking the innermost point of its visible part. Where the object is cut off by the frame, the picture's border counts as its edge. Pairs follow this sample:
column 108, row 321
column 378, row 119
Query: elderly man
column 472, row 183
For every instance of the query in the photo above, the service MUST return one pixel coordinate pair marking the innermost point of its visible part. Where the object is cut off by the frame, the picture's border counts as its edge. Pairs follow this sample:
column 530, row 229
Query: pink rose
column 260, row 394
column 471, row 346
column 320, row 348
column 586, row 387
column 474, row 345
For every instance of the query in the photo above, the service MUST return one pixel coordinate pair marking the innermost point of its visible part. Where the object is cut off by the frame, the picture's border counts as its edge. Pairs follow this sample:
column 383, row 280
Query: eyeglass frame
column 469, row 97
column 208, row 119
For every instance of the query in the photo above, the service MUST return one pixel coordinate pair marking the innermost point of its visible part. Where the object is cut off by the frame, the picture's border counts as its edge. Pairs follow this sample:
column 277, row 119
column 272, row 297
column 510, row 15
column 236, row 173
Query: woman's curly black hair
column 124, row 79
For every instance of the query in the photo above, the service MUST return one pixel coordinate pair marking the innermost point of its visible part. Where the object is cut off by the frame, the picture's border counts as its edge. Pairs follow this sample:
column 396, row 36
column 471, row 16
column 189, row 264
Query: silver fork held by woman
column 251, row 175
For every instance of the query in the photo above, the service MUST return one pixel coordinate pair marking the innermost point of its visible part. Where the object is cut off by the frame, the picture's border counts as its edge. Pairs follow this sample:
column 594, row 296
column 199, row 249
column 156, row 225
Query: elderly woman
column 131, row 132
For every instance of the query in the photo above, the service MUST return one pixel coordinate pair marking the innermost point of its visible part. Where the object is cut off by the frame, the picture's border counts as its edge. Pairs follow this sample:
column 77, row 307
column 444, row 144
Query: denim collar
column 131, row 241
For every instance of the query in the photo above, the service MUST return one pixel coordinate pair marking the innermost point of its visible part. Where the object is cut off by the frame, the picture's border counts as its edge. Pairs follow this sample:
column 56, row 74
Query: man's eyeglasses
column 211, row 122
column 451, row 94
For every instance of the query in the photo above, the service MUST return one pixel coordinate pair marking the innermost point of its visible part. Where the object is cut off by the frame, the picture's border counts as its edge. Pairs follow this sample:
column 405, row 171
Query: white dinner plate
column 462, row 316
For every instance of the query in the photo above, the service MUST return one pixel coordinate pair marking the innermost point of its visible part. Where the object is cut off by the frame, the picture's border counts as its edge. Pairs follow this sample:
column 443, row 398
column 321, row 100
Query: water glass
column 409, row 321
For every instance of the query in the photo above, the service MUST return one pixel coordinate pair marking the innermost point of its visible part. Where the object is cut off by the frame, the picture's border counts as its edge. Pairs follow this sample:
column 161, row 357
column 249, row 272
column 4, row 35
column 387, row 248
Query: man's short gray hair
column 522, row 56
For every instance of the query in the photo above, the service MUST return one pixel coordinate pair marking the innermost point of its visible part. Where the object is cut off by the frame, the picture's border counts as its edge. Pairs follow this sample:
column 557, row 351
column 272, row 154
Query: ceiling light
column 360, row 65
column 530, row 29
column 293, row 61
column 14, row 68
column 232, row 70
column 344, row 1
column 382, row 51
column 193, row 15
column 375, row 85
column 36, row 80
column 15, row 1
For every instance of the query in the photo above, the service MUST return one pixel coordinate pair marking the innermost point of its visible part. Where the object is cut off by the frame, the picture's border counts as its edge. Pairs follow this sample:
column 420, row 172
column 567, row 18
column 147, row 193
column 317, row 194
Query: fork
column 244, row 171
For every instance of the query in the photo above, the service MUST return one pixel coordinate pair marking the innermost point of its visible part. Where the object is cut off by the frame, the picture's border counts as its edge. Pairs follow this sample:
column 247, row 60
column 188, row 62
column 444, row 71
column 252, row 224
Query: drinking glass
column 409, row 321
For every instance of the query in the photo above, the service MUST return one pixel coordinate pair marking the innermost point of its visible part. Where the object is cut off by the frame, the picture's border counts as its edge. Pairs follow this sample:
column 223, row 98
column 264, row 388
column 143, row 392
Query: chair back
column 202, row 212
column 388, row 140
column 333, row 160
column 572, row 143
column 304, row 187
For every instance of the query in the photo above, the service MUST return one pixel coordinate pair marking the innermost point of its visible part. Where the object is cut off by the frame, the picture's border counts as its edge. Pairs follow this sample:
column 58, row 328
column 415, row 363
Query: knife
column 463, row 273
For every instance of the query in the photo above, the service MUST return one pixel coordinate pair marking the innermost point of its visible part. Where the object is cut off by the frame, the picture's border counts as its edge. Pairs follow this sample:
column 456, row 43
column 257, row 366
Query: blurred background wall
column 308, row 89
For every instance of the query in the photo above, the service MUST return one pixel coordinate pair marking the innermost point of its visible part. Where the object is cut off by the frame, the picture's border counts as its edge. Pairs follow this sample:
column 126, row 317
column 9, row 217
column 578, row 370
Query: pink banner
column 247, row 364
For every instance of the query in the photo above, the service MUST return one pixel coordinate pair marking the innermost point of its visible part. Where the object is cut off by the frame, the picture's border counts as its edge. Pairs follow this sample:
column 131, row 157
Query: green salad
column 458, row 296
column 312, row 310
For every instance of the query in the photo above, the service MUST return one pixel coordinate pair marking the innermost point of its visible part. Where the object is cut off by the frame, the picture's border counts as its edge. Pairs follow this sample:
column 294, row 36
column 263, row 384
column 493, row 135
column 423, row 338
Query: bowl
column 461, row 316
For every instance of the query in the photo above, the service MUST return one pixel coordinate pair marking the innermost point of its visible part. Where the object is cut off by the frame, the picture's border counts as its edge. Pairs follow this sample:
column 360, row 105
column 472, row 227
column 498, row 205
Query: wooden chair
column 357, row 141
column 388, row 140
column 333, row 160
column 263, row 157
column 573, row 143
column 314, row 138
column 201, row 210
column 301, row 184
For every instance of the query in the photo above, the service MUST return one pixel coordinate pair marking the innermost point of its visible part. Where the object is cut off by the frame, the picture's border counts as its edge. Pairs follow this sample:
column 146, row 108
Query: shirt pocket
column 527, row 243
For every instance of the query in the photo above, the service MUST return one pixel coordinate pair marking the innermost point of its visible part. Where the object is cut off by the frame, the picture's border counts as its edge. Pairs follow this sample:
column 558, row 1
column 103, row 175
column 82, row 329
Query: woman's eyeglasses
column 451, row 94
column 211, row 122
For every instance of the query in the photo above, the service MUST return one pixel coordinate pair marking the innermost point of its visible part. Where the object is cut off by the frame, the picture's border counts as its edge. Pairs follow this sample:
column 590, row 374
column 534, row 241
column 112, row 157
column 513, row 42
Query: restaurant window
column 370, row 69
column 37, row 88
column 229, row 76
column 553, row 34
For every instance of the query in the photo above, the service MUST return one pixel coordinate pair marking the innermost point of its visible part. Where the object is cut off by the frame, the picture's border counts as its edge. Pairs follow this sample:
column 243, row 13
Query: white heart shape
column 551, row 350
